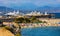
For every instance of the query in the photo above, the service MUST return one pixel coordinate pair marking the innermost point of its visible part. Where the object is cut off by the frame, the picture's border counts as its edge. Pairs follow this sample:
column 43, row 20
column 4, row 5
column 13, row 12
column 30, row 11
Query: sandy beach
column 50, row 22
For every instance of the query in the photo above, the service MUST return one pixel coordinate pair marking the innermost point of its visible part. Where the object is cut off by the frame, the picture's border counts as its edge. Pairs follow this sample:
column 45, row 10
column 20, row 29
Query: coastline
column 37, row 27
column 50, row 22
column 40, row 25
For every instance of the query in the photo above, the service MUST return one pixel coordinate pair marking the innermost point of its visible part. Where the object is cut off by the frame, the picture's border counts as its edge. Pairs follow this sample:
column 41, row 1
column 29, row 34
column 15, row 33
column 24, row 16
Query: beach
column 50, row 22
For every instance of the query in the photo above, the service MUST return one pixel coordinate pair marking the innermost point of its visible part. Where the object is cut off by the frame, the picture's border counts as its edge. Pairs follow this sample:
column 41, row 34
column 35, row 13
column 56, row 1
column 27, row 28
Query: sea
column 42, row 31
column 56, row 15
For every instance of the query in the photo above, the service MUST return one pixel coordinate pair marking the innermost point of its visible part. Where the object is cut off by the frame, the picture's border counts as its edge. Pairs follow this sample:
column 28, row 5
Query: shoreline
column 39, row 25
column 50, row 22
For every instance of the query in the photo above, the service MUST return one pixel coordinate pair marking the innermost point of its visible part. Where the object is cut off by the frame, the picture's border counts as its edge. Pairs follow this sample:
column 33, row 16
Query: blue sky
column 29, row 3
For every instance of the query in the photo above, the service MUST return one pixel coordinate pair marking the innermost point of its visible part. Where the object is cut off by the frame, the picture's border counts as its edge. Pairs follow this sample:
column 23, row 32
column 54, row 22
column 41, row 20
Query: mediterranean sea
column 41, row 31
column 56, row 15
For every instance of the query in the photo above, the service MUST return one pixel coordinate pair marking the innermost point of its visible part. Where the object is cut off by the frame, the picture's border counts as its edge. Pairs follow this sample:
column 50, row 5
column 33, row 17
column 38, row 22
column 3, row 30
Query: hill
column 26, row 9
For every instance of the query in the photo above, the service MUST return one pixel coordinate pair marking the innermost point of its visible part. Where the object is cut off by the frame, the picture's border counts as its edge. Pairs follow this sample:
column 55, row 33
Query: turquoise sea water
column 41, row 31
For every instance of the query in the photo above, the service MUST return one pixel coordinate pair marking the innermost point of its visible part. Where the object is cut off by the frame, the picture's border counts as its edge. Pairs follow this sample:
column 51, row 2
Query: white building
column 34, row 13
column 14, row 13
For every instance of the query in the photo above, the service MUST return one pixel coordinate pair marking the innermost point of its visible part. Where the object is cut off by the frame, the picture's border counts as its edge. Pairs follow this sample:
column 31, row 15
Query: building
column 38, row 15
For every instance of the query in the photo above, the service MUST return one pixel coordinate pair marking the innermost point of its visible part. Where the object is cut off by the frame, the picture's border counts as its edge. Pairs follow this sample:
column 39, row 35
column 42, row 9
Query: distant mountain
column 48, row 9
column 44, row 8
column 27, row 9
column 5, row 9
column 27, row 6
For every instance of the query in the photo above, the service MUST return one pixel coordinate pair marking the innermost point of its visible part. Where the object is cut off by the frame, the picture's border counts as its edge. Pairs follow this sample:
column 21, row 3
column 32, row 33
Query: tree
column 27, row 20
column 19, row 20
column 22, row 20
column 1, row 23
column 32, row 19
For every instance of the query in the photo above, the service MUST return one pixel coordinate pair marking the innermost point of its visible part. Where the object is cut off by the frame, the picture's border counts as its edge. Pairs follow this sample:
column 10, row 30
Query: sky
column 29, row 3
